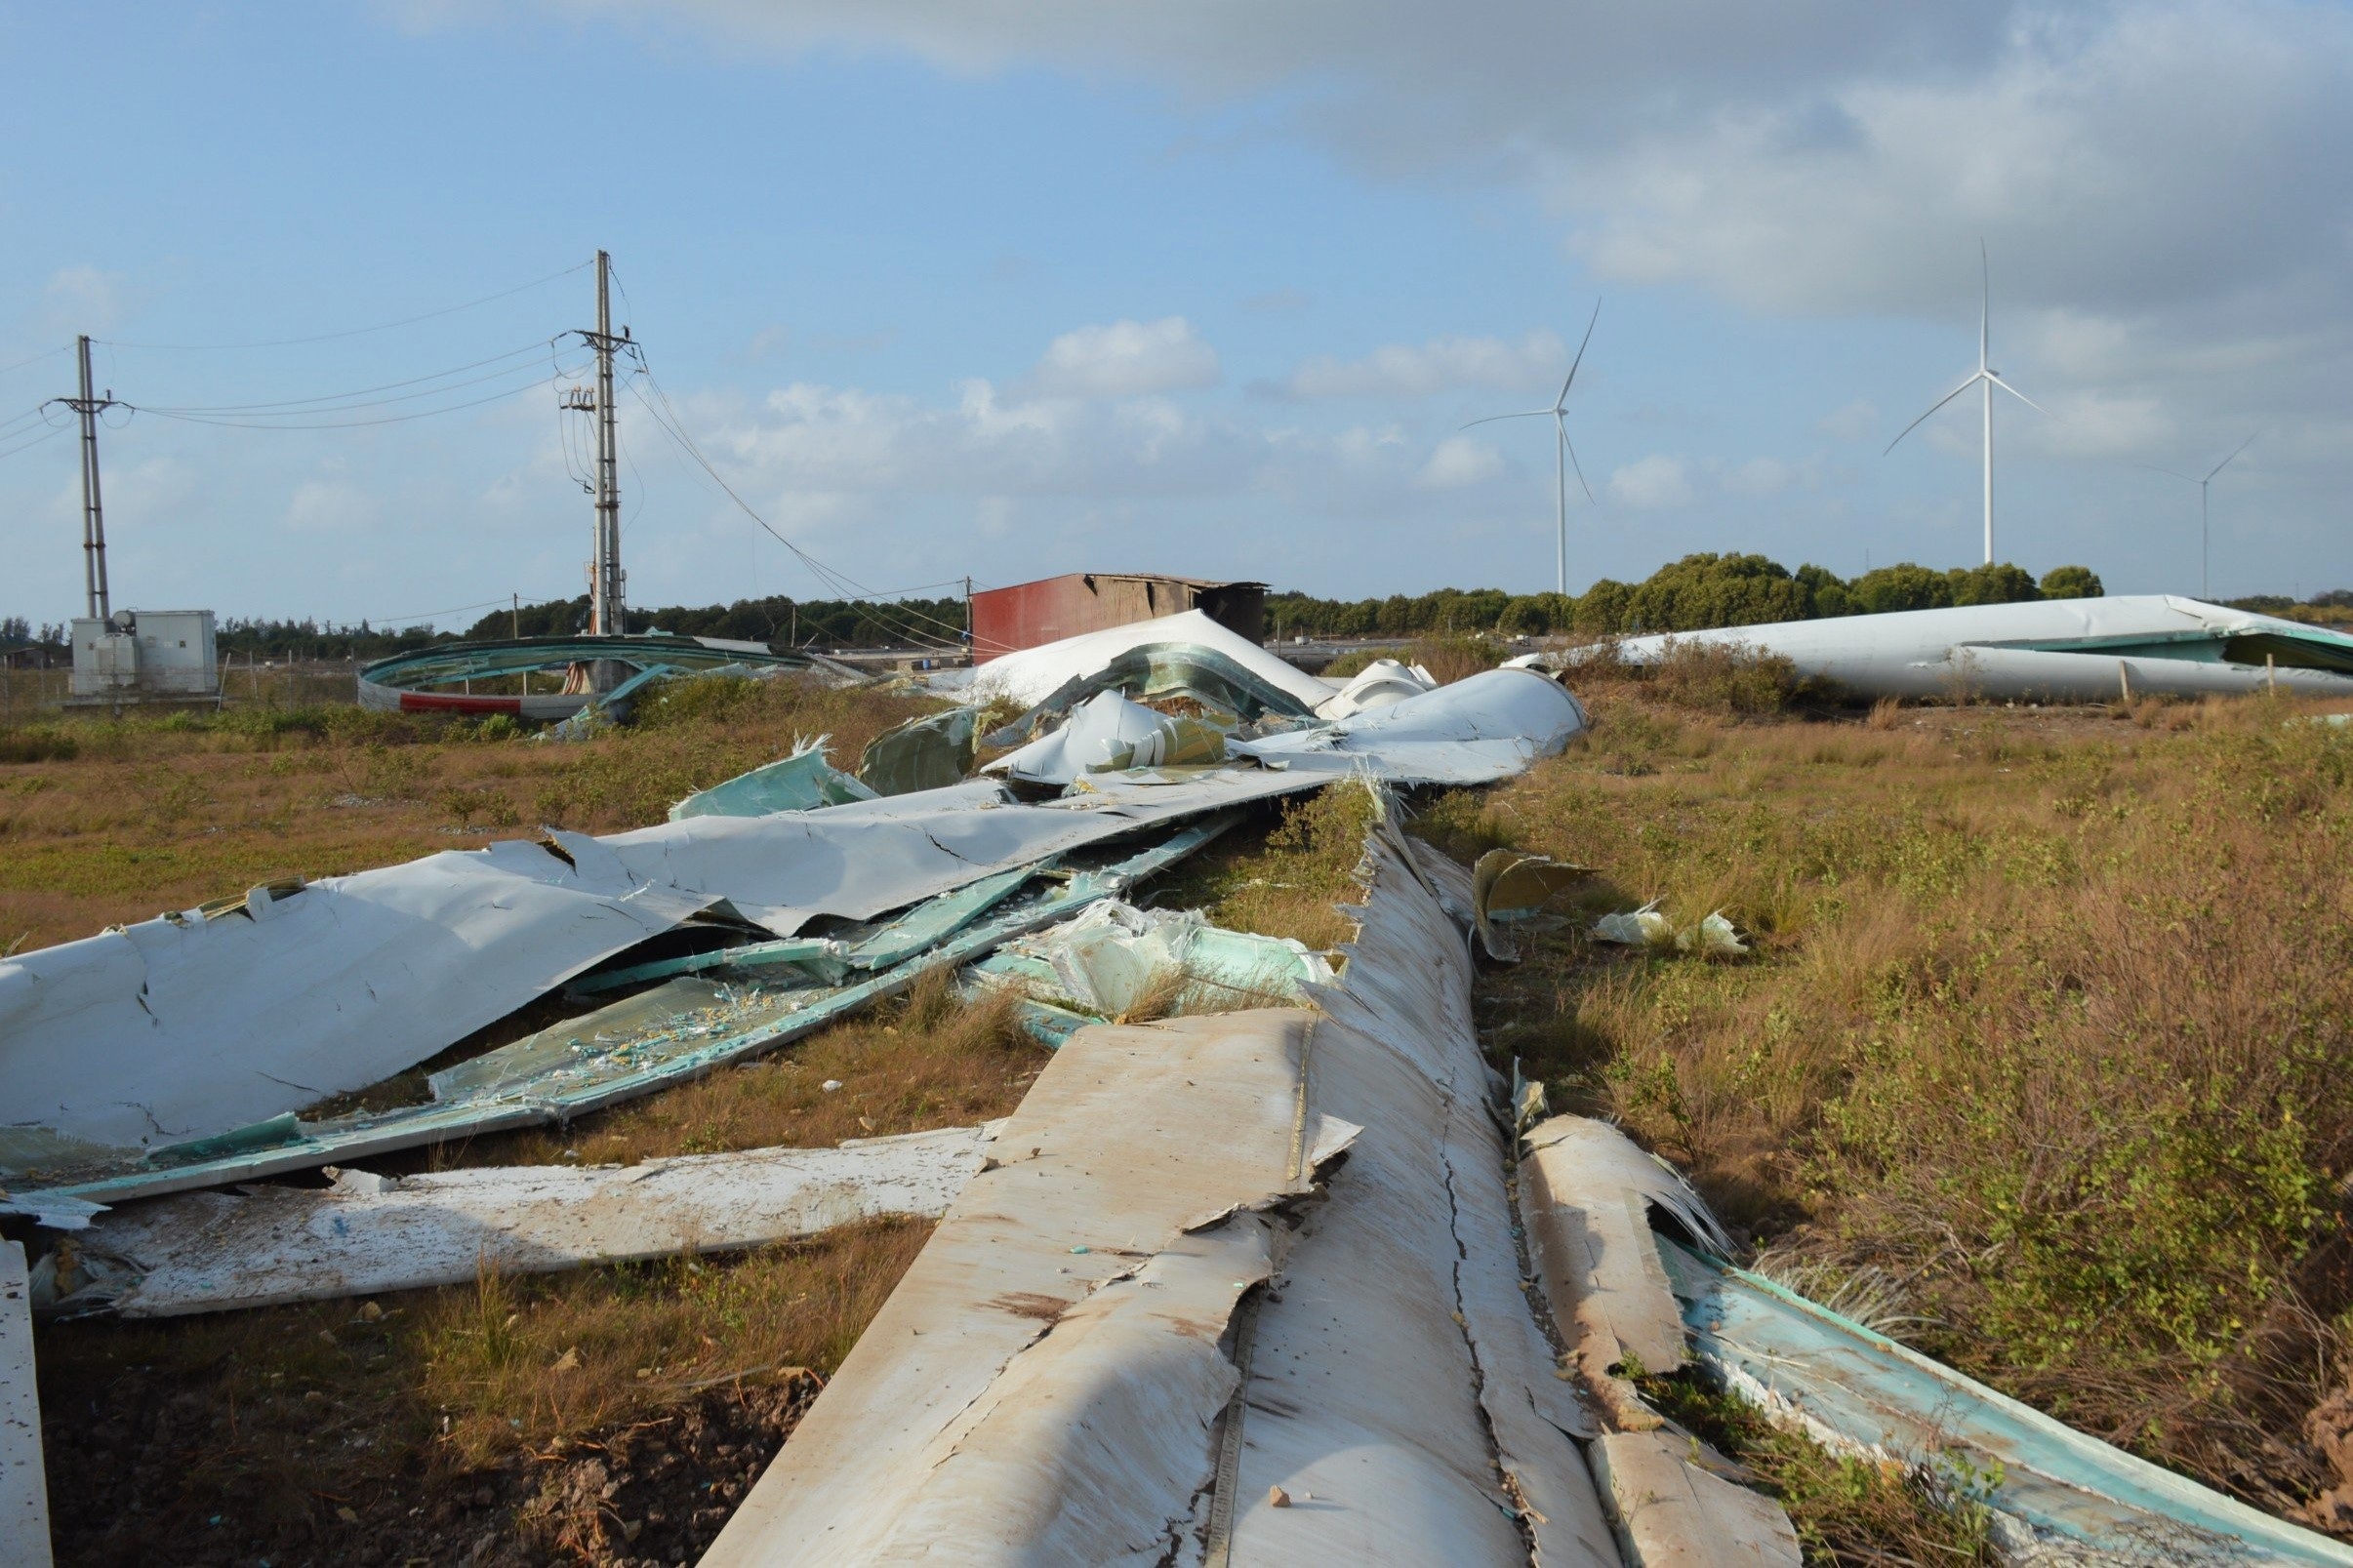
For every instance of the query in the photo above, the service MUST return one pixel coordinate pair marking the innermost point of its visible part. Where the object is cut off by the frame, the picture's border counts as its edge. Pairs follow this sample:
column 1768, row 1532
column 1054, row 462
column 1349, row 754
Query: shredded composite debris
column 1147, row 1316
column 1241, row 1286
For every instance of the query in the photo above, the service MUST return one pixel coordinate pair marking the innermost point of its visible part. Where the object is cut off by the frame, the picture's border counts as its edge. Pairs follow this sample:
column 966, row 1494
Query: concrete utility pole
column 94, row 513
column 606, row 612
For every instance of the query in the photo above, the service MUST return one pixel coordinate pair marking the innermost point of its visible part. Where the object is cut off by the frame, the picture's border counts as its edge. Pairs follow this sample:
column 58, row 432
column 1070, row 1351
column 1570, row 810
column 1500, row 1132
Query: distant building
column 141, row 654
column 1027, row 613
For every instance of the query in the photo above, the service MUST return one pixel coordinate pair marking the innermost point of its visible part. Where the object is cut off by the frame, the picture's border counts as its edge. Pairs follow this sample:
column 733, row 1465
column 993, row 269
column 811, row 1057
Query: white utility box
column 146, row 654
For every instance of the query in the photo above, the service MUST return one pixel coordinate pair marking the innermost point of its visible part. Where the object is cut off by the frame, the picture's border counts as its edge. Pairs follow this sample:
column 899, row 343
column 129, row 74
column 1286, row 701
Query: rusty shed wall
column 1030, row 614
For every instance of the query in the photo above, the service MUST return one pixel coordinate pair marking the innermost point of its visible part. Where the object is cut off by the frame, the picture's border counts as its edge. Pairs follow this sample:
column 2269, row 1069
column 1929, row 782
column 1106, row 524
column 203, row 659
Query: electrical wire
column 63, row 348
column 266, row 413
column 348, row 425
column 26, row 446
column 359, row 332
column 300, row 403
column 840, row 584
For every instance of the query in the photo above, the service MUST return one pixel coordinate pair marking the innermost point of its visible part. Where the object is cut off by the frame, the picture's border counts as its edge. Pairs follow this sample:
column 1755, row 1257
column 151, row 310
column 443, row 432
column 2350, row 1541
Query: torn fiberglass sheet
column 1108, row 733
column 1377, row 684
column 930, row 752
column 1396, row 1373
column 2055, row 650
column 609, row 1057
column 184, row 1028
column 1082, row 1366
column 801, row 782
column 1041, row 1384
column 24, row 1475
column 2057, row 1494
column 1584, row 1189
column 1060, row 671
column 1488, row 726
column 1114, row 955
column 204, row 1252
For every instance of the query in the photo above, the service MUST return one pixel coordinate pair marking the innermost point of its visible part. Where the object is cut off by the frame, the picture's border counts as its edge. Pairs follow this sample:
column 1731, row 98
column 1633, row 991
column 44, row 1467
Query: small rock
column 369, row 1311
column 348, row 1514
column 831, row 1084
column 1278, row 1497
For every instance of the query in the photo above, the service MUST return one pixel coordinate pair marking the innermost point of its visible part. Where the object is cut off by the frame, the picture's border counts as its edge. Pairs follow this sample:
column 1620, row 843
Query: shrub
column 2071, row 583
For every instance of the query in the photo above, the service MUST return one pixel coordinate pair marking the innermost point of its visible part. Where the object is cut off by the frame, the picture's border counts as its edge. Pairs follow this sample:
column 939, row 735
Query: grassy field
column 2043, row 1040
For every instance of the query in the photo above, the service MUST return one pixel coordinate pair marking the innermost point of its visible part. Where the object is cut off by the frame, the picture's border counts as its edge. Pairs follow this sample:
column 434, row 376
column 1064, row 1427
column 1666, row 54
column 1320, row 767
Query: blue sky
column 1205, row 287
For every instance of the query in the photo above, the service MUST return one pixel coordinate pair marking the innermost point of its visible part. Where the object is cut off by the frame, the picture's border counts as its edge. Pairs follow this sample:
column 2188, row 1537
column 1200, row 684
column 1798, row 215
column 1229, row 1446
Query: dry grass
column 114, row 820
column 2049, row 1021
column 922, row 1062
column 267, row 1422
column 1284, row 876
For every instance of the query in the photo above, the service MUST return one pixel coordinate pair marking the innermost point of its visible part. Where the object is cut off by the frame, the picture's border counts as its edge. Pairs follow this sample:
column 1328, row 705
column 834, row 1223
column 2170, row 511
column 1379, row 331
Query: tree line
column 1696, row 593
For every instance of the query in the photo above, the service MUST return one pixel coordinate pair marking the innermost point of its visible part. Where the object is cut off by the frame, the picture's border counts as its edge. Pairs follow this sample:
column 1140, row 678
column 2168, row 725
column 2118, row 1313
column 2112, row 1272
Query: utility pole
column 516, row 610
column 94, row 513
column 607, row 615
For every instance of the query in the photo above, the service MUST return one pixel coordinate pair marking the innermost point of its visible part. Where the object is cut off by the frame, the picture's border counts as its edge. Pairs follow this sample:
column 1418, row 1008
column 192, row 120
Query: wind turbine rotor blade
column 1580, row 359
column 1985, row 303
column 1524, row 414
column 2021, row 396
column 2186, row 478
column 1571, row 448
column 1933, row 407
column 2234, row 453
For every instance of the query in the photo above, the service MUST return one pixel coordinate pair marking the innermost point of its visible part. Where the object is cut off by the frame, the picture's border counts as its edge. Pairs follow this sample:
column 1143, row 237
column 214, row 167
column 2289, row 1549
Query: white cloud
column 1407, row 370
column 1459, row 461
column 78, row 300
column 1650, row 483
column 332, row 506
column 1125, row 359
column 1858, row 420
column 1763, row 476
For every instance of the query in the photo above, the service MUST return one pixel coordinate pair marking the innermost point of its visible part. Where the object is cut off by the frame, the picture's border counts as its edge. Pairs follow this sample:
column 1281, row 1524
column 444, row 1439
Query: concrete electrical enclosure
column 146, row 654
column 1052, row 608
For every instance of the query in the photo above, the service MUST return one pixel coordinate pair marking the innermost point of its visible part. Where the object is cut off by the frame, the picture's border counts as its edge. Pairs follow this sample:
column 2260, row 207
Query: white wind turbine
column 2202, row 486
column 1565, row 456
column 1985, row 379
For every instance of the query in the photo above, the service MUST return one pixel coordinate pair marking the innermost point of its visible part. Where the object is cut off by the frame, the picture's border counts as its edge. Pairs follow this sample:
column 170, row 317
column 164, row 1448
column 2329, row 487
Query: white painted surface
column 23, row 1480
column 207, row 1251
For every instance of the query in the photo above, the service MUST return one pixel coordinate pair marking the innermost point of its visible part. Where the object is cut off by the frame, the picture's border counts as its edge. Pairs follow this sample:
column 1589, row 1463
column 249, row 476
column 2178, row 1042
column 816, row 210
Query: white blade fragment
column 207, row 1251
column 23, row 1478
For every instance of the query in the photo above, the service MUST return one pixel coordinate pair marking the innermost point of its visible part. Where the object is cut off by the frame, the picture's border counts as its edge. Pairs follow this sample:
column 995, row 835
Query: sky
column 1010, row 289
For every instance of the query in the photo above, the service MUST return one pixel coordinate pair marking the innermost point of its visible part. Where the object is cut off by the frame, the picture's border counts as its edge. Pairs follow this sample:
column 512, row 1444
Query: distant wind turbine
column 1986, row 380
column 2202, row 486
column 1565, row 456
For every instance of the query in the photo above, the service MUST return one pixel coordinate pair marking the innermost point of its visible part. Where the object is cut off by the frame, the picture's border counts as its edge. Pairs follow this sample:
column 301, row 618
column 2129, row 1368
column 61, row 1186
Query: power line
column 26, row 446
column 840, row 583
column 298, row 403
column 348, row 425
column 35, row 359
column 357, row 332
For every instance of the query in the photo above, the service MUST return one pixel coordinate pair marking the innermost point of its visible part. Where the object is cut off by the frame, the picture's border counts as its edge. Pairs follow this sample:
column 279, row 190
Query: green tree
column 1901, row 587
column 1826, row 592
column 1706, row 590
column 1602, row 610
column 1995, row 582
column 2071, row 583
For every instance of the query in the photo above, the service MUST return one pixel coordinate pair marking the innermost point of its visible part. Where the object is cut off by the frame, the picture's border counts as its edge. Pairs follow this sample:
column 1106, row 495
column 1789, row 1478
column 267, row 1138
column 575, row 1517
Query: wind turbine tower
column 1565, row 456
column 1985, row 380
column 2204, row 554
